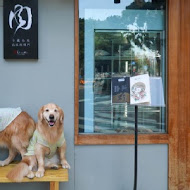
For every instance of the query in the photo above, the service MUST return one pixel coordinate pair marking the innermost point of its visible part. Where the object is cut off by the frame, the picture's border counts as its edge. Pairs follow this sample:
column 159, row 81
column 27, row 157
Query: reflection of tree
column 104, row 41
column 141, row 4
column 136, row 39
column 81, row 46
column 141, row 48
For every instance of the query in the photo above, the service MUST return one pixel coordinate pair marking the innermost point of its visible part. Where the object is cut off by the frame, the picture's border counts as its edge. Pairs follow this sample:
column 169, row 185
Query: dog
column 16, row 136
column 46, row 145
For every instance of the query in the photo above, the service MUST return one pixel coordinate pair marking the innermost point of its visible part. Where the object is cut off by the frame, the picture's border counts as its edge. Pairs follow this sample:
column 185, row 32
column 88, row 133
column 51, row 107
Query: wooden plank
column 187, row 29
column 184, row 94
column 76, row 70
column 60, row 175
column 179, row 94
column 184, row 101
column 122, row 139
column 54, row 185
column 173, row 95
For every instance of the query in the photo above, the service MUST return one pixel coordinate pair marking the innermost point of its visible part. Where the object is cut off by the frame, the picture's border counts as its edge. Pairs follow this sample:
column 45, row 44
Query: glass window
column 124, row 39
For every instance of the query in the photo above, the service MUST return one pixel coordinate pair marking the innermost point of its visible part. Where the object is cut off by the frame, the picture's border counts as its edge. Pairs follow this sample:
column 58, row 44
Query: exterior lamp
column 116, row 1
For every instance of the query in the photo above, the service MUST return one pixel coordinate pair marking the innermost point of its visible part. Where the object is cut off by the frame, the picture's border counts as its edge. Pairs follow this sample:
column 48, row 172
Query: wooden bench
column 52, row 176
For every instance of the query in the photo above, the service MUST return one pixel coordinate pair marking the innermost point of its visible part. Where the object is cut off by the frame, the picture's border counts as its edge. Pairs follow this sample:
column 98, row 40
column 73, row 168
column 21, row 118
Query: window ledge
column 102, row 139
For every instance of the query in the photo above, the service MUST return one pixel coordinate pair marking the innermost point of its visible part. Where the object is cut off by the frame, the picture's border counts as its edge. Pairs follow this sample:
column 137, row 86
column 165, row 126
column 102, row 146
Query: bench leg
column 54, row 185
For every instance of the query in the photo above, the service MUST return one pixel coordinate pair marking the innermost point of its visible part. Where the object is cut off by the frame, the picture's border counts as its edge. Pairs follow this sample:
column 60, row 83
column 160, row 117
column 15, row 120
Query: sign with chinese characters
column 20, row 29
column 140, row 90
column 120, row 89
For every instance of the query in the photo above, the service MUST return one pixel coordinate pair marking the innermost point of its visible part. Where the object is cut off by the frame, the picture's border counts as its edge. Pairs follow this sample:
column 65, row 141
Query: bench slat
column 59, row 175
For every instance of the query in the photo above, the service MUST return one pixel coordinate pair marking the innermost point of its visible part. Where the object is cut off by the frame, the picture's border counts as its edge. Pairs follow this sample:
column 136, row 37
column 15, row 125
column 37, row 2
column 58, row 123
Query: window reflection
column 123, row 39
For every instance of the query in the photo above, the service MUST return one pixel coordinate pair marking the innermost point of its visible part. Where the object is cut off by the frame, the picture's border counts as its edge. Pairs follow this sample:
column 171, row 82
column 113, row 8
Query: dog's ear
column 40, row 114
column 61, row 116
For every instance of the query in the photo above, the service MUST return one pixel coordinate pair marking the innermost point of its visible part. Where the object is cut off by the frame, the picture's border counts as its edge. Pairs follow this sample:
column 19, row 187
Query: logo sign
column 21, row 29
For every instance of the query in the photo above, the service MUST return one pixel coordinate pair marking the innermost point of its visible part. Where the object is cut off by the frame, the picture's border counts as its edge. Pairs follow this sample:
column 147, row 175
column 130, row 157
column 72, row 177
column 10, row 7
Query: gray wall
column 30, row 84
column 112, row 167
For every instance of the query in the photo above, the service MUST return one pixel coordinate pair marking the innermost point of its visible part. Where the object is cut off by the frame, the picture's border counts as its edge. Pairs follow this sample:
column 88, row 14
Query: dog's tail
column 20, row 170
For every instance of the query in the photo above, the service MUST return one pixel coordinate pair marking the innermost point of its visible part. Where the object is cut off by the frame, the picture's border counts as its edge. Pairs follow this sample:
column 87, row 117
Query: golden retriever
column 47, row 142
column 16, row 136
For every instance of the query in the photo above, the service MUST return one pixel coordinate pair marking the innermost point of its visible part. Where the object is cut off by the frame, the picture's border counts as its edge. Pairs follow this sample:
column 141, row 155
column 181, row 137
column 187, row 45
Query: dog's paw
column 30, row 175
column 39, row 174
column 3, row 163
column 66, row 165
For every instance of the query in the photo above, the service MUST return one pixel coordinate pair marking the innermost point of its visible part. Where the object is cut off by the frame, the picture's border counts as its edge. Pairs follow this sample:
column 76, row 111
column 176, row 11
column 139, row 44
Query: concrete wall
column 112, row 167
column 30, row 84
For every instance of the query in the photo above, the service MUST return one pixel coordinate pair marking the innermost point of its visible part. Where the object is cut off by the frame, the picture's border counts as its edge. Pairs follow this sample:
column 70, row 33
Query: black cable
column 136, row 147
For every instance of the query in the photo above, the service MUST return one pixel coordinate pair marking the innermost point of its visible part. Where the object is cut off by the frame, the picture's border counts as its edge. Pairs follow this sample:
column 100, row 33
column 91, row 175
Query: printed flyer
column 140, row 89
column 133, row 90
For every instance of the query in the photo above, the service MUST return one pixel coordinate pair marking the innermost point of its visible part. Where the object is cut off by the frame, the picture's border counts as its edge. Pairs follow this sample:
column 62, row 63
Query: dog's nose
column 51, row 116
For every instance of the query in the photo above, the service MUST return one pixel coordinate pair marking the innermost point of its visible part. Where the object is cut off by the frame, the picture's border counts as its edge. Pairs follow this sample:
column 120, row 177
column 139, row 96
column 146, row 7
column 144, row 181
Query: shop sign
column 20, row 29
column 120, row 89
